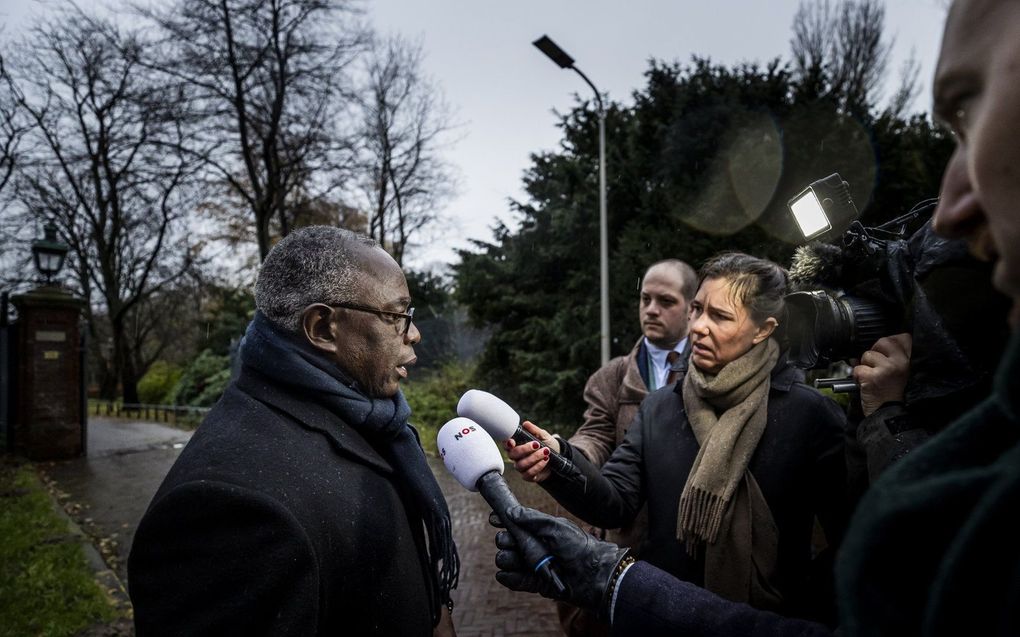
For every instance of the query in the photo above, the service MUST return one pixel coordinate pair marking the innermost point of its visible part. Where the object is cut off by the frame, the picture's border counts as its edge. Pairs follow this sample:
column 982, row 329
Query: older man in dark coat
column 304, row 505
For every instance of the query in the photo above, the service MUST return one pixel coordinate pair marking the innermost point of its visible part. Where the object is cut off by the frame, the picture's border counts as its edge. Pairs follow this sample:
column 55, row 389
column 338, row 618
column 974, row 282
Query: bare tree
column 12, row 130
column 102, row 161
column 840, row 49
column 404, row 122
column 908, row 89
column 12, row 125
column 268, row 78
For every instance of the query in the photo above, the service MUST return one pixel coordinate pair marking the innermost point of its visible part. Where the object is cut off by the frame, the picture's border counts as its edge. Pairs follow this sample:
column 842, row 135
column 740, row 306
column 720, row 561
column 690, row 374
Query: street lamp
column 560, row 57
column 49, row 252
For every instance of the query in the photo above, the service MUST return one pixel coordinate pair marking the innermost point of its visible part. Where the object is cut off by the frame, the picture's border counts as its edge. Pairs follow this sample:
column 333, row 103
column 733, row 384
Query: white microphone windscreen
column 494, row 415
column 468, row 452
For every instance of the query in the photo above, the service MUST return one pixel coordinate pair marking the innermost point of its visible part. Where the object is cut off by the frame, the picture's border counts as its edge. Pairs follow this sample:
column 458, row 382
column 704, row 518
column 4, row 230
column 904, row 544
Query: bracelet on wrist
column 614, row 579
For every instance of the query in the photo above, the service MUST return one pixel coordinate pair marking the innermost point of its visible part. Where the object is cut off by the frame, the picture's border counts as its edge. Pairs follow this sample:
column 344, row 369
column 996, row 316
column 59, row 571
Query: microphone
column 475, row 462
column 502, row 422
column 818, row 265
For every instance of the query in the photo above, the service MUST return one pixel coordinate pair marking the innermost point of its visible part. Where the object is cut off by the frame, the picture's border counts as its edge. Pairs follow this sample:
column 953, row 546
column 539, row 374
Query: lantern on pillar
column 49, row 253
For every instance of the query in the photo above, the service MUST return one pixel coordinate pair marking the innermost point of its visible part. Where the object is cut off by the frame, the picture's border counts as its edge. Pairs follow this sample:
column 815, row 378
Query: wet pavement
column 108, row 491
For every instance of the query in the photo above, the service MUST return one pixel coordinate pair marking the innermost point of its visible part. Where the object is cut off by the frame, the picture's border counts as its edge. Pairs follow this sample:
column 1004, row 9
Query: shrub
column 214, row 388
column 203, row 381
column 158, row 384
column 433, row 399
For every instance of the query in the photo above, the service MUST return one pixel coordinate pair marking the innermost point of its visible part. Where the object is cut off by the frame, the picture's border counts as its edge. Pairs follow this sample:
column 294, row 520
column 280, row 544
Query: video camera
column 854, row 290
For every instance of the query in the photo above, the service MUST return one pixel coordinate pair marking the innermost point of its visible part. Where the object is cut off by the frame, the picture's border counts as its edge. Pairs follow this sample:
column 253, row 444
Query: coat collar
column 785, row 375
column 310, row 414
column 633, row 387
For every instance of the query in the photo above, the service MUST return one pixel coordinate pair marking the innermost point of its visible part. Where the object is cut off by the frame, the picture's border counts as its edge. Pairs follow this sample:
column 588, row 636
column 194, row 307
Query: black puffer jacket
column 799, row 465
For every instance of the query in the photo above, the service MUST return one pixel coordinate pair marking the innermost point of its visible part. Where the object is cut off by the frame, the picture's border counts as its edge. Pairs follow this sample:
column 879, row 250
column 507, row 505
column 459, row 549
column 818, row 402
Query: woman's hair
column 759, row 284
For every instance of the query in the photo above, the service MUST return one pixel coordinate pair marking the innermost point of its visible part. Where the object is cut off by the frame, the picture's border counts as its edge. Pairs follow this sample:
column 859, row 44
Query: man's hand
column 532, row 459
column 883, row 371
column 445, row 627
column 584, row 564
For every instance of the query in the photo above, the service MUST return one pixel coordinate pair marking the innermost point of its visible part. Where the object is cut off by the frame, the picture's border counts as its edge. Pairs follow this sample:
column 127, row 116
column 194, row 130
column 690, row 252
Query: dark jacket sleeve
column 829, row 489
column 886, row 436
column 215, row 559
column 609, row 498
column 650, row 602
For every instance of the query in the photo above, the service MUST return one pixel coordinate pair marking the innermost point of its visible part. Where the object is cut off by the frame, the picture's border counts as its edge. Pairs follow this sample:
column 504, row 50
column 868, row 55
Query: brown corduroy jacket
column 613, row 395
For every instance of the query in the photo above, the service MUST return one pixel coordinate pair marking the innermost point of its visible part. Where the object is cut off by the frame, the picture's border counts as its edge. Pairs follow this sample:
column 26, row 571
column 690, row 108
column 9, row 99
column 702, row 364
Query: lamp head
column 555, row 53
column 824, row 210
column 49, row 252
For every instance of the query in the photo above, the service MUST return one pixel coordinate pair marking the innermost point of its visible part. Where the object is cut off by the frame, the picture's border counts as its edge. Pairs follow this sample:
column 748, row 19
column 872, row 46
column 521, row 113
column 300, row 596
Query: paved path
column 109, row 489
column 127, row 461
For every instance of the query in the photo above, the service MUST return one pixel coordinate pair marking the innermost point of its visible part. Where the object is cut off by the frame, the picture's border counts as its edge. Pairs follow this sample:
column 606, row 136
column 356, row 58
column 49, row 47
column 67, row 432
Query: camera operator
column 912, row 387
column 932, row 548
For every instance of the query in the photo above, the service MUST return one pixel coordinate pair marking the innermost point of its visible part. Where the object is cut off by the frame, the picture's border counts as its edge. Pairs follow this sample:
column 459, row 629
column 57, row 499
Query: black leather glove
column 585, row 564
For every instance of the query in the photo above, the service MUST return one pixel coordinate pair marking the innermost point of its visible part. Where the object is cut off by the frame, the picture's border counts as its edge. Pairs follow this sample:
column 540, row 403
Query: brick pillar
column 48, row 419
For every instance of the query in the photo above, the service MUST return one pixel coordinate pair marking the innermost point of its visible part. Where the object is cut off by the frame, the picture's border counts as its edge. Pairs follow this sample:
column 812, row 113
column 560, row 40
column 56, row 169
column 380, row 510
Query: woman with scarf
column 735, row 460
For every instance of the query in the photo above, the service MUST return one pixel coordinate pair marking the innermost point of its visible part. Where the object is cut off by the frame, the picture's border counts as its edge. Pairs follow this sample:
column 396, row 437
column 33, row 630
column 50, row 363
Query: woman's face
column 721, row 327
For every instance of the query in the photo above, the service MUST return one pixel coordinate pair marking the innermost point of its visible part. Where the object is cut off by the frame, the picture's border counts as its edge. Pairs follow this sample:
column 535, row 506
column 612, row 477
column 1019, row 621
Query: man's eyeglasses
column 406, row 316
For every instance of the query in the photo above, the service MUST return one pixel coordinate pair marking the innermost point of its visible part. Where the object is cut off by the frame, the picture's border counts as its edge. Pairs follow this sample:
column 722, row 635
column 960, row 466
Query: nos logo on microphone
column 458, row 436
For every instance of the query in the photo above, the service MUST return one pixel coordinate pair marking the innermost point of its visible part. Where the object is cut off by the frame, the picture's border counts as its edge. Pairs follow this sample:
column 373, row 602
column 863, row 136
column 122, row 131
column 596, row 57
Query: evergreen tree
column 705, row 160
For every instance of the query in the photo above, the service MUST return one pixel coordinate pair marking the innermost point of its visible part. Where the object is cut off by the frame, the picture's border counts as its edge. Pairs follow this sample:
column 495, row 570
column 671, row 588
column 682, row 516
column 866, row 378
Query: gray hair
column 317, row 264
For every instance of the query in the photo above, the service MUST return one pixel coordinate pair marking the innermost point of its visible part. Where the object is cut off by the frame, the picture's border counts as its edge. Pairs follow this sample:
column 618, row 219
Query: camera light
column 810, row 216
column 824, row 210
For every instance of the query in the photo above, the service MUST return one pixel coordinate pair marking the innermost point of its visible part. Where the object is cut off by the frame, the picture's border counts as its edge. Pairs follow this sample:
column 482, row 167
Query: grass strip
column 46, row 586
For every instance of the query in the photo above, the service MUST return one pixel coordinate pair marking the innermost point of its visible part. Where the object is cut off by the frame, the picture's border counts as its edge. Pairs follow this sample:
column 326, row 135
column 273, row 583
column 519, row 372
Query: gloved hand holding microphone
column 588, row 567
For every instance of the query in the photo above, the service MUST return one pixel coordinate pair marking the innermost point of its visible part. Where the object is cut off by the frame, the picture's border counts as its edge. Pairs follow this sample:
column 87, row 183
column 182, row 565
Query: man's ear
column 765, row 330
column 318, row 327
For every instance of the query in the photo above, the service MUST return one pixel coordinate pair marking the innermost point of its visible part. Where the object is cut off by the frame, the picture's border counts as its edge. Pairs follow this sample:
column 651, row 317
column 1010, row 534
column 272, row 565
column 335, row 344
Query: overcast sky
column 504, row 90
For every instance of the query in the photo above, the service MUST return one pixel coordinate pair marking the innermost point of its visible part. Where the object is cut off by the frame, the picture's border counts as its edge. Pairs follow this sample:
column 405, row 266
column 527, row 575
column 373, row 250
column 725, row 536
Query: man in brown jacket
column 615, row 391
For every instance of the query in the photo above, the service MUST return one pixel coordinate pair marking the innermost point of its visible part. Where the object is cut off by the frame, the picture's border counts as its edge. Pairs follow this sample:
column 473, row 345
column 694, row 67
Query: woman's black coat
column 278, row 519
column 798, row 463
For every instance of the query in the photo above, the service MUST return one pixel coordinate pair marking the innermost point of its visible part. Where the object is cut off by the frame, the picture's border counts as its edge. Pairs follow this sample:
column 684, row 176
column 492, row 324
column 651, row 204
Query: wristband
column 610, row 594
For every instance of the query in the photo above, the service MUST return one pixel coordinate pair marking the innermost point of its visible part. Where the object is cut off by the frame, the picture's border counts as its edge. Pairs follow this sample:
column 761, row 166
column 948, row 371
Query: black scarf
column 382, row 421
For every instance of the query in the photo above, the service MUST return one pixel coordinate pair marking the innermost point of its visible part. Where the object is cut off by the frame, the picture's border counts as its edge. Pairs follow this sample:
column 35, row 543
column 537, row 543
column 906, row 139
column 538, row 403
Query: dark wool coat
column 798, row 463
column 278, row 519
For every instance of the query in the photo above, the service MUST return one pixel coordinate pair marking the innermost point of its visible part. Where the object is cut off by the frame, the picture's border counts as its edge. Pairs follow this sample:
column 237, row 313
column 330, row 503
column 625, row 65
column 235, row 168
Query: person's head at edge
column 738, row 305
column 977, row 94
column 314, row 270
column 664, row 304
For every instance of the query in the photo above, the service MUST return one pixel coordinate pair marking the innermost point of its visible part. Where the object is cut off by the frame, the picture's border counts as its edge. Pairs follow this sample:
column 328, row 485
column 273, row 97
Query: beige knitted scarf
column 721, row 506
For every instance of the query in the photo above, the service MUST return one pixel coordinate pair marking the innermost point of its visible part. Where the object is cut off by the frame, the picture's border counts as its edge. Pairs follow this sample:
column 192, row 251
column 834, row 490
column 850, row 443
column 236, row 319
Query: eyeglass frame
column 408, row 316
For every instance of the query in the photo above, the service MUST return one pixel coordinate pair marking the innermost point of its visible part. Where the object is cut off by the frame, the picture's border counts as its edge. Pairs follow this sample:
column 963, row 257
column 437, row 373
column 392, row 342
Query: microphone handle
column 498, row 495
column 559, row 465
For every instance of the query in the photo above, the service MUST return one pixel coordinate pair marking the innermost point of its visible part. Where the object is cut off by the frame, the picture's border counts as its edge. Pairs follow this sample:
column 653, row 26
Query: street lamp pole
column 560, row 57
